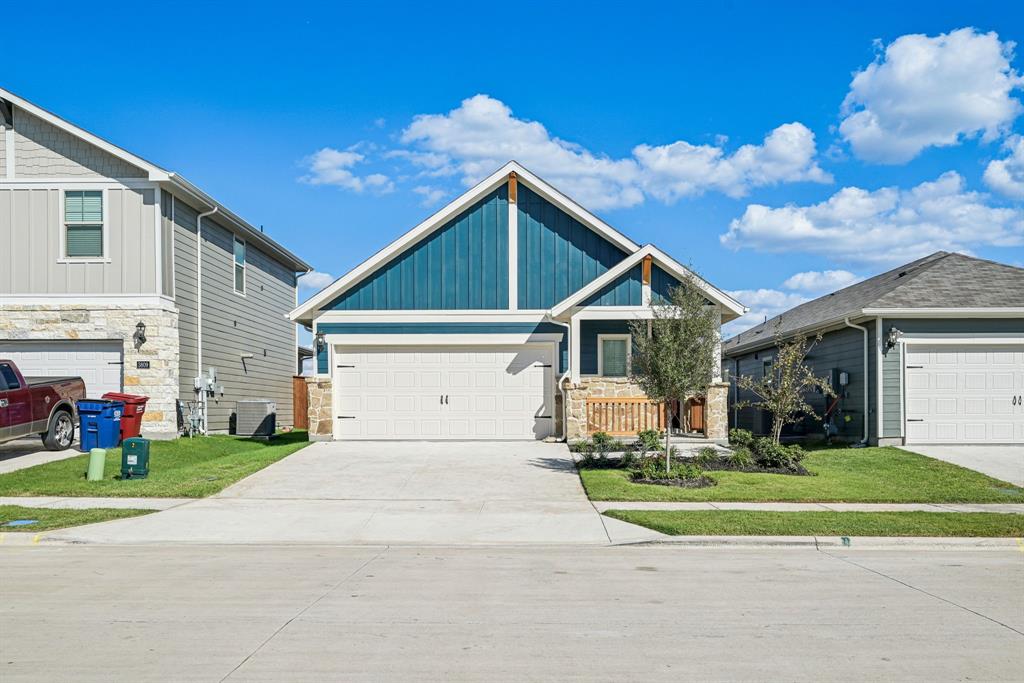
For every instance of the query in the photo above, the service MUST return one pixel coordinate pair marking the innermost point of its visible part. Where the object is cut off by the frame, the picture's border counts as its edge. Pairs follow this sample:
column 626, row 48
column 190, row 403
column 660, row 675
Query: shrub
column 741, row 437
column 649, row 440
column 604, row 443
column 769, row 454
column 706, row 456
column 741, row 458
column 653, row 468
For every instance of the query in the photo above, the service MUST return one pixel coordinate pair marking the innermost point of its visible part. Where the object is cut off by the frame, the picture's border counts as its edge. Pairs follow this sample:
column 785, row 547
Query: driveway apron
column 418, row 493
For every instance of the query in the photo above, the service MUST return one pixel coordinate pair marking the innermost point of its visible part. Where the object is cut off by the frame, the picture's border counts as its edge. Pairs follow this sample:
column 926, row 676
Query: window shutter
column 613, row 355
column 84, row 241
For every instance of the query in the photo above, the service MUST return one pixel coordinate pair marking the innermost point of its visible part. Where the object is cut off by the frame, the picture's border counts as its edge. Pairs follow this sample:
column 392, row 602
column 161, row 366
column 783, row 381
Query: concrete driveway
column 1002, row 462
column 456, row 493
column 21, row 453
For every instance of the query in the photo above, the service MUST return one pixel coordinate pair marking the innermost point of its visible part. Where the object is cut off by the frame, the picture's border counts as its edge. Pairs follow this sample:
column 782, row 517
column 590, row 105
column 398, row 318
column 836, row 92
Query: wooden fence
column 624, row 416
column 300, row 402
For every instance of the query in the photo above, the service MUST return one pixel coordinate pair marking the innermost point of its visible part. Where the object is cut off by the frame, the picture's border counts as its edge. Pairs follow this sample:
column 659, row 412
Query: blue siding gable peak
column 625, row 290
column 557, row 255
column 462, row 265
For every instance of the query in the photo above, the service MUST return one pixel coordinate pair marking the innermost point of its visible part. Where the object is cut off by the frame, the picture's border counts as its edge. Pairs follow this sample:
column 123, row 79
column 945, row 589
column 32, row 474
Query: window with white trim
column 239, row 266
column 83, row 224
column 613, row 355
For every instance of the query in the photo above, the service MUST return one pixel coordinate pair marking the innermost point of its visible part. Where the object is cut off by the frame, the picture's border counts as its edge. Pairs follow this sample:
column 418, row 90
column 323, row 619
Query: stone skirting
column 99, row 322
column 716, row 413
column 321, row 423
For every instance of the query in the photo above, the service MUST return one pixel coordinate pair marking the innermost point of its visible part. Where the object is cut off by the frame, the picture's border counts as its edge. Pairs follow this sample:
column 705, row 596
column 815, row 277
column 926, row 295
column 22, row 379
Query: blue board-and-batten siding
column 462, row 265
column 625, row 290
column 557, row 255
column 661, row 285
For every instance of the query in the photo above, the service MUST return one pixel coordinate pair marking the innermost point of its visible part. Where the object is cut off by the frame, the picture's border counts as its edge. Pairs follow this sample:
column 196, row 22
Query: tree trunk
column 777, row 430
column 668, row 436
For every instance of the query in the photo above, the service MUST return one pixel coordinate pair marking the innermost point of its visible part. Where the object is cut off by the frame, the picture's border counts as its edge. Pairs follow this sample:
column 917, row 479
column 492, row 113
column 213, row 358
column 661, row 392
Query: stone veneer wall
column 716, row 413
column 114, row 322
column 321, row 424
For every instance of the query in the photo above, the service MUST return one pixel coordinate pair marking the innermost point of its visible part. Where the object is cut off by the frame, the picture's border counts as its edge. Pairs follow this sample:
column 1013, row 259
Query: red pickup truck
column 38, row 405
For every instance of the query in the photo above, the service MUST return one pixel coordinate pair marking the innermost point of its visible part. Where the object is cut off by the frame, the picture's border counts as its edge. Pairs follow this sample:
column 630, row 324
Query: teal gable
column 557, row 255
column 462, row 265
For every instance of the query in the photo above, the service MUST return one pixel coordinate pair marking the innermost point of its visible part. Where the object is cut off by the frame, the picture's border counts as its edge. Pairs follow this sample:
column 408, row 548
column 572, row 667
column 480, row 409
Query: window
column 83, row 224
column 613, row 352
column 239, row 266
column 8, row 380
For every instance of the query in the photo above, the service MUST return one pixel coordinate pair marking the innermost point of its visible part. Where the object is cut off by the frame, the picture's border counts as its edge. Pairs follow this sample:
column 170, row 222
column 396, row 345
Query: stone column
column 716, row 412
column 321, row 408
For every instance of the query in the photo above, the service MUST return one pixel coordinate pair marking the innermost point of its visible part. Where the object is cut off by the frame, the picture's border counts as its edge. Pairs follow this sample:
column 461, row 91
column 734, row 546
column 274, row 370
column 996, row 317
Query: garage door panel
column 963, row 393
column 98, row 363
column 500, row 393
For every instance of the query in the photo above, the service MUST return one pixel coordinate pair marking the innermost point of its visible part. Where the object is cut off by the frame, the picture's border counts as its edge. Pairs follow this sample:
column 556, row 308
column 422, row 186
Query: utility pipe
column 199, row 307
column 865, row 331
column 879, row 414
column 558, row 382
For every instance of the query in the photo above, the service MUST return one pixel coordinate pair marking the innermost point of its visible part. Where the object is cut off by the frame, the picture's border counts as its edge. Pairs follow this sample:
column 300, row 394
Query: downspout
column 199, row 305
column 568, row 369
column 879, row 415
column 865, row 331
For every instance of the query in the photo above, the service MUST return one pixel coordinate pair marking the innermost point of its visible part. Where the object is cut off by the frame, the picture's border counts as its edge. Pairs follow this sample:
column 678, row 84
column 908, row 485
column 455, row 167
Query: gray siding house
column 930, row 352
column 130, row 276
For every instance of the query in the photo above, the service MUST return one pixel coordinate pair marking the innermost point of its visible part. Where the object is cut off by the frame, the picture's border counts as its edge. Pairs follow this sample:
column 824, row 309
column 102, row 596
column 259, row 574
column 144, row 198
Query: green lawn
column 756, row 523
column 184, row 468
column 851, row 475
column 49, row 518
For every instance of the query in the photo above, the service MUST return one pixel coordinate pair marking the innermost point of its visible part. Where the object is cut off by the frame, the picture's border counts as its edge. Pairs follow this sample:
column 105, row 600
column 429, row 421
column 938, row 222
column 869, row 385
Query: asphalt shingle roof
column 942, row 280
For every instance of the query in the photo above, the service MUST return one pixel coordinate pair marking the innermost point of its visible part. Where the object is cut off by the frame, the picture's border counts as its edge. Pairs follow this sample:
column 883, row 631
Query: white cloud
column 681, row 169
column 764, row 304
column 821, row 281
column 888, row 225
column 931, row 91
column 482, row 133
column 431, row 195
column 315, row 280
column 330, row 166
column 1006, row 176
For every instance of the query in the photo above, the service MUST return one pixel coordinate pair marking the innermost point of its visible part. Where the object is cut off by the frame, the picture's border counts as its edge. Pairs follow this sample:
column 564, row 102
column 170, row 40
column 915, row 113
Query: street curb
column 842, row 542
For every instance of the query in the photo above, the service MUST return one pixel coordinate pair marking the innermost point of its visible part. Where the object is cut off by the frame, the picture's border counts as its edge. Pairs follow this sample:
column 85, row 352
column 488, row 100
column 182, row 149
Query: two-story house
column 128, row 275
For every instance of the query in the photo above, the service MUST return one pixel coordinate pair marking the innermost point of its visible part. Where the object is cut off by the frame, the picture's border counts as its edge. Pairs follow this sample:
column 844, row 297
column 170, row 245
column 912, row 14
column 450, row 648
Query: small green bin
column 135, row 458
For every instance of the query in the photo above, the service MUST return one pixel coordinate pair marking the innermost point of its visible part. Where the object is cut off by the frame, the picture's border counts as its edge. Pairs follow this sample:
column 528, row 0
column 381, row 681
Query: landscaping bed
column 50, row 518
column 760, row 523
column 853, row 475
column 183, row 468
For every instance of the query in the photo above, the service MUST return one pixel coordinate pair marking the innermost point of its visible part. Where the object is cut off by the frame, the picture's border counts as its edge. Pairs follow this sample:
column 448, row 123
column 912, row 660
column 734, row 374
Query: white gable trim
column 154, row 172
column 661, row 259
column 304, row 312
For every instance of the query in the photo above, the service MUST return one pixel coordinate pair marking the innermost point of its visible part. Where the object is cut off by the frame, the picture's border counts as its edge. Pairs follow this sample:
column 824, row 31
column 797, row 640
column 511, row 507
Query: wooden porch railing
column 624, row 416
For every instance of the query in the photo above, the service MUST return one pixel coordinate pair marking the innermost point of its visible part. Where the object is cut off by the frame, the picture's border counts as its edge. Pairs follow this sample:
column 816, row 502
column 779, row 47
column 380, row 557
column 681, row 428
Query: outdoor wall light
column 893, row 338
column 140, row 334
column 320, row 341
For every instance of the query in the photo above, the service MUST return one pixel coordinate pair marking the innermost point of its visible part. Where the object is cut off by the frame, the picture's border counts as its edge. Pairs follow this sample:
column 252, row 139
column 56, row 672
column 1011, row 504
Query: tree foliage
column 783, row 390
column 676, row 353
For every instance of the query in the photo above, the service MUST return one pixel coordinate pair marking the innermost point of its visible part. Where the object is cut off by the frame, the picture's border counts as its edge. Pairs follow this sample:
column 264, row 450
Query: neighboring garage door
column 964, row 393
column 499, row 392
column 98, row 363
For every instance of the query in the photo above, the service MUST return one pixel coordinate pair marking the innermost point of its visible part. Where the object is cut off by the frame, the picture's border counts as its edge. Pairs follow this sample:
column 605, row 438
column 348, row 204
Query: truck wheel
column 61, row 432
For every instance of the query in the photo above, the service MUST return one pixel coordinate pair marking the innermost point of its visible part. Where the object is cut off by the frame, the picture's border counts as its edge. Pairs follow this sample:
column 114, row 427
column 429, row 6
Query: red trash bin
column 134, row 407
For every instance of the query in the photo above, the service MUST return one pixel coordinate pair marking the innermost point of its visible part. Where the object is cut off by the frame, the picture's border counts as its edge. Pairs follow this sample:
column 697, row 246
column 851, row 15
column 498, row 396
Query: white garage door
column 967, row 393
column 499, row 392
column 98, row 363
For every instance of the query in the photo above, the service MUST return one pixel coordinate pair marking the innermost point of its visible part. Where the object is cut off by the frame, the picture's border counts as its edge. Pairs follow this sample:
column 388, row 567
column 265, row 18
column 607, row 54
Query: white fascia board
column 441, row 339
column 97, row 301
column 152, row 170
column 665, row 262
column 614, row 313
column 303, row 313
column 495, row 316
column 962, row 338
column 992, row 312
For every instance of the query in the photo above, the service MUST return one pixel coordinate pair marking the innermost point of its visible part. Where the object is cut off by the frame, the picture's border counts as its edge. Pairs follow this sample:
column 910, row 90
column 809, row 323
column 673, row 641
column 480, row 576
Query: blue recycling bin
column 99, row 423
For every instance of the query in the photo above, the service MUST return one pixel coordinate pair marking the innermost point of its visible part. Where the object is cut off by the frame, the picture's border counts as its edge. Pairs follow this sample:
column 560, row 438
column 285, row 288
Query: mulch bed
column 724, row 465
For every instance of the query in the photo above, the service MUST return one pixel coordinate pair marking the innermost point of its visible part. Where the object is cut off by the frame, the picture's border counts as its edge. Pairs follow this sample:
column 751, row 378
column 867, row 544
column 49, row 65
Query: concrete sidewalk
column 1007, row 508
column 72, row 503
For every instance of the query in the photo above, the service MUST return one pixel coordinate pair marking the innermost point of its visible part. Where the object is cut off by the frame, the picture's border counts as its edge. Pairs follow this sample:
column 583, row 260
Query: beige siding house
column 101, row 245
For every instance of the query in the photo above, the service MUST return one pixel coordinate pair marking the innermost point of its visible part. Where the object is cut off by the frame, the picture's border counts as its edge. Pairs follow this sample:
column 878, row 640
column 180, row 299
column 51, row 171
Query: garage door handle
column 346, row 366
column 915, row 367
column 115, row 362
column 915, row 419
column 346, row 417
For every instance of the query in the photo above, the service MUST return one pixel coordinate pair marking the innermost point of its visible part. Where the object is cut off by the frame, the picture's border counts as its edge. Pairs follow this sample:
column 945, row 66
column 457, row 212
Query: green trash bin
column 135, row 458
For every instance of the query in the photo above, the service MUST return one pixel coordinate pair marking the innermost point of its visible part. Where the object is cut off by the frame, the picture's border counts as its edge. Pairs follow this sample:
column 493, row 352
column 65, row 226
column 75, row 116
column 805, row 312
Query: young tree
column 676, row 353
column 781, row 391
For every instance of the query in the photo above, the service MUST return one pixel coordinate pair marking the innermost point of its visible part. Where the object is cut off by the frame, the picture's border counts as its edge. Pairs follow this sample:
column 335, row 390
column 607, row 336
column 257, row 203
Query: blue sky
column 757, row 141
